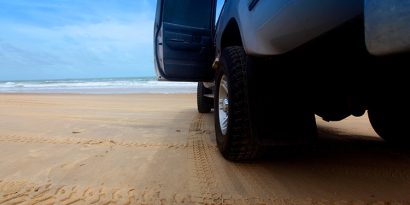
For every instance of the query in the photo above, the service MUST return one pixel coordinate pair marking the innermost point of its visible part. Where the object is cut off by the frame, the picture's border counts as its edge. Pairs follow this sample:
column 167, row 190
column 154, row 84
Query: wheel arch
column 231, row 35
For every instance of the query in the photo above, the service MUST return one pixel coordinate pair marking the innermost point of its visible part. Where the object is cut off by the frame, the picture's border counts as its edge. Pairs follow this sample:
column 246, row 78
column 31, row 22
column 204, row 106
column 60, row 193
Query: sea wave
column 112, row 85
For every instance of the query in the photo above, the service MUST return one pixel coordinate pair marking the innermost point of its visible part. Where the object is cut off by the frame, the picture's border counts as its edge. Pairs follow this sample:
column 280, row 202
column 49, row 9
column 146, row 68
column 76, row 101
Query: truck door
column 183, row 39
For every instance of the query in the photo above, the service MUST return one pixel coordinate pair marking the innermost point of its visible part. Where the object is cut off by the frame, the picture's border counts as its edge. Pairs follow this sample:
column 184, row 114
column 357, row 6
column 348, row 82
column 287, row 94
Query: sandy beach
column 156, row 149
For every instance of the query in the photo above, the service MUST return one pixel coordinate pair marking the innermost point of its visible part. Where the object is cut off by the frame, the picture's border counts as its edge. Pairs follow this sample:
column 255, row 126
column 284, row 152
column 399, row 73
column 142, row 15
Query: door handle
column 178, row 43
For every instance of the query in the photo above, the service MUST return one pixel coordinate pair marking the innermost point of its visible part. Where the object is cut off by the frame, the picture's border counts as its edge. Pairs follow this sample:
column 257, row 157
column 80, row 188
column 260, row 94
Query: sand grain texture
column 156, row 149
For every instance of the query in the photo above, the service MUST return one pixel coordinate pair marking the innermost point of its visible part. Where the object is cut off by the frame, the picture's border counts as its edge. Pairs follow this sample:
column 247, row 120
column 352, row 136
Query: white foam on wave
column 136, row 85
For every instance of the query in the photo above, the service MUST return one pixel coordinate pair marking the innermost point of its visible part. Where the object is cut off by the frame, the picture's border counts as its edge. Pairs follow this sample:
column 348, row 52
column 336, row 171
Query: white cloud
column 97, row 37
column 139, row 31
column 113, row 42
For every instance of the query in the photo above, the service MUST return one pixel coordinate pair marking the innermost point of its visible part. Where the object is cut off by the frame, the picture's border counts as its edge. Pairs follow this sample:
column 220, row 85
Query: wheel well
column 231, row 35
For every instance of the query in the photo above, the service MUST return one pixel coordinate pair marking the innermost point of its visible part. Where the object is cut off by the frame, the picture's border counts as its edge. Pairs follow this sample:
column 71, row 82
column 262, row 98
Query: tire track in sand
column 23, row 192
column 90, row 141
column 209, row 185
column 205, row 184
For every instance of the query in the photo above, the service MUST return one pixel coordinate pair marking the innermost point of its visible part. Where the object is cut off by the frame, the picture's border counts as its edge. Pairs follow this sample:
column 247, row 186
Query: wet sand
column 156, row 149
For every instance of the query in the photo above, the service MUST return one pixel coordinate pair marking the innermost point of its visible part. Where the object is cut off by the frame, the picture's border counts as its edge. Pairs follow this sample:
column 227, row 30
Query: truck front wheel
column 204, row 102
column 232, row 115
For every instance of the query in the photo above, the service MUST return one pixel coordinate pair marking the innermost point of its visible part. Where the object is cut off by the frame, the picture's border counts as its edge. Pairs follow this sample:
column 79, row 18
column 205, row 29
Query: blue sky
column 57, row 39
column 60, row 39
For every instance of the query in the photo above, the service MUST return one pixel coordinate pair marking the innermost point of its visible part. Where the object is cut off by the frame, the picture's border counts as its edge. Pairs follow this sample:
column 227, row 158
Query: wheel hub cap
column 223, row 104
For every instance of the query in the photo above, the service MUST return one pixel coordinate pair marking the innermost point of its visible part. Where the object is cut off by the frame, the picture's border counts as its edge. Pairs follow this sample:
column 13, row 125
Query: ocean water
column 98, row 86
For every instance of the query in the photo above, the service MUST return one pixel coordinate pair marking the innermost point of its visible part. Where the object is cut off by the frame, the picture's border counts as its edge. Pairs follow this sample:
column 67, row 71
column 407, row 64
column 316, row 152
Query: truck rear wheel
column 204, row 103
column 390, row 120
column 232, row 113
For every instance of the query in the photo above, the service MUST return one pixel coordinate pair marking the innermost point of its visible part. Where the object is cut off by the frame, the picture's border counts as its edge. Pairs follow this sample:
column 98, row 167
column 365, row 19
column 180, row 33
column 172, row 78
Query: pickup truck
column 248, row 67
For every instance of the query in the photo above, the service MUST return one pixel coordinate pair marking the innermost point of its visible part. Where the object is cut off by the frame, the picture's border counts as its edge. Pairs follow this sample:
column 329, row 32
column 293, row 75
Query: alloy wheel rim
column 223, row 102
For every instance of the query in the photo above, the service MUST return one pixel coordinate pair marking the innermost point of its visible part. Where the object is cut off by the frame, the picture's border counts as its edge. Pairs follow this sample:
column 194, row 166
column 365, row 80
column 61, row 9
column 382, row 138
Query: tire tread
column 240, row 145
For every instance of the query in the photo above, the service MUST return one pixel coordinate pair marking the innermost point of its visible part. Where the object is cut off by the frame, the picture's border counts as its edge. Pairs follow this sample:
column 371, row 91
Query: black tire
column 237, row 143
column 390, row 120
column 204, row 104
